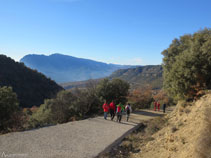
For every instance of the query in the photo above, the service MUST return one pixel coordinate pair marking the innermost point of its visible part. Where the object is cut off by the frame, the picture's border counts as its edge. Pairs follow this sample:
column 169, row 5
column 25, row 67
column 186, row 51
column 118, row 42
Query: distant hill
column 63, row 68
column 141, row 76
column 137, row 77
column 31, row 87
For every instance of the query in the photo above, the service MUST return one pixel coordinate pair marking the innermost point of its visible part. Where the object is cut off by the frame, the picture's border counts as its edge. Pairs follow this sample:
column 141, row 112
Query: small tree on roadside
column 8, row 106
column 141, row 97
column 115, row 90
column 162, row 97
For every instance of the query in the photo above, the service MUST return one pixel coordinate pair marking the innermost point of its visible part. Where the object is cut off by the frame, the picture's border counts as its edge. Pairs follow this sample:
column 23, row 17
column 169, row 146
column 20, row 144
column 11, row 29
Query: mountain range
column 64, row 68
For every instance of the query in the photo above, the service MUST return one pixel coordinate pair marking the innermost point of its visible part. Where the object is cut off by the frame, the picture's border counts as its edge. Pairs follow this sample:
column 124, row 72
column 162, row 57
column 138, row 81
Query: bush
column 88, row 100
column 67, row 106
column 187, row 65
column 141, row 98
column 115, row 90
column 8, row 106
column 53, row 111
column 162, row 97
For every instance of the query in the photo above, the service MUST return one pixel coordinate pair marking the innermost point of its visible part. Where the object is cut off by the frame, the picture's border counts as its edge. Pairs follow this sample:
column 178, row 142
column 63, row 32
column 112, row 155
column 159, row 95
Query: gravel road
column 78, row 139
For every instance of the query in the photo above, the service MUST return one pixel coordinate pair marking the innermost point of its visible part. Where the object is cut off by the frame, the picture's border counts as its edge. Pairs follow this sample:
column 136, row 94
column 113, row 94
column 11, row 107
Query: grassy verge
column 203, row 147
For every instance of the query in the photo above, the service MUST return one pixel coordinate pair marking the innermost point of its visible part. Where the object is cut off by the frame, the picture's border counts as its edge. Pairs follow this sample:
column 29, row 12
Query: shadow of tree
column 146, row 113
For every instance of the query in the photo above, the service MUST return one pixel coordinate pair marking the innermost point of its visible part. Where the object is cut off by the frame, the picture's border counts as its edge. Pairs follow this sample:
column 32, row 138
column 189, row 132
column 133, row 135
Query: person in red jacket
column 112, row 110
column 119, row 110
column 106, row 109
column 158, row 105
column 155, row 106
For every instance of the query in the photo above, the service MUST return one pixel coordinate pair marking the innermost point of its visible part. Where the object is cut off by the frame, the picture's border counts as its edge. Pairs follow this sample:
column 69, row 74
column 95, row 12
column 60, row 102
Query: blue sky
column 113, row 31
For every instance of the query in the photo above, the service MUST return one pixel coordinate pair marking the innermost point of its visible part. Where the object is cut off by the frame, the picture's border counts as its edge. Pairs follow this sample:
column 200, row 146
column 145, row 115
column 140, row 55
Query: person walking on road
column 155, row 106
column 112, row 110
column 128, row 110
column 158, row 105
column 119, row 112
column 106, row 109
column 164, row 107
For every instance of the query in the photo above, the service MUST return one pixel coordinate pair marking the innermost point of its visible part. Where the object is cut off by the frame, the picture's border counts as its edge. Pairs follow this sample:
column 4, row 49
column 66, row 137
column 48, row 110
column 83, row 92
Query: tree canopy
column 115, row 89
column 187, row 65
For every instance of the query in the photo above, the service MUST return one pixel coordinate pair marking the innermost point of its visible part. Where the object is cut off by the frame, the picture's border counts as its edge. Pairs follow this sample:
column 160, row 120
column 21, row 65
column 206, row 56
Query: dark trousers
column 119, row 117
column 127, row 115
column 112, row 114
column 164, row 110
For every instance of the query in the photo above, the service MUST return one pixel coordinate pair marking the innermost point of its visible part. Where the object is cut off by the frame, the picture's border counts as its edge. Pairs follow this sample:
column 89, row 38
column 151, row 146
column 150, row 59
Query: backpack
column 128, row 109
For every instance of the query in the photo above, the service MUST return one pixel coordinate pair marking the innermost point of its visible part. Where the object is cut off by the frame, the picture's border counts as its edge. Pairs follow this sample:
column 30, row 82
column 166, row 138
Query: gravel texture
column 78, row 139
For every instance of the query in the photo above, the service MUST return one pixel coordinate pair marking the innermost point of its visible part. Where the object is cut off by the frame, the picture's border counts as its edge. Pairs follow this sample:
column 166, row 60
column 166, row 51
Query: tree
column 116, row 90
column 187, row 65
column 162, row 97
column 68, row 105
column 8, row 106
column 141, row 97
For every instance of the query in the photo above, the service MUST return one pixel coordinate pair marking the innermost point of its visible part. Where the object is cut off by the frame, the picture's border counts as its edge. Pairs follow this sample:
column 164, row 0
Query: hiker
column 106, row 109
column 164, row 107
column 158, row 105
column 112, row 110
column 155, row 106
column 128, row 110
column 119, row 112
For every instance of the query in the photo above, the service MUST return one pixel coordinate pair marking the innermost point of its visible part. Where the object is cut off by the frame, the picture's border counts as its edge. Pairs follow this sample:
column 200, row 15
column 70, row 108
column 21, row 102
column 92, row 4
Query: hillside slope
column 141, row 76
column 187, row 134
column 137, row 77
column 31, row 87
column 64, row 68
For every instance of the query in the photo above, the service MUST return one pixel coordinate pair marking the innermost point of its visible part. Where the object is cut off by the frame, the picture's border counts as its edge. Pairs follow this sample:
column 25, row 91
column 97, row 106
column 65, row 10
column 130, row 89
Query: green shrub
column 187, row 65
column 67, row 106
column 8, row 107
column 115, row 90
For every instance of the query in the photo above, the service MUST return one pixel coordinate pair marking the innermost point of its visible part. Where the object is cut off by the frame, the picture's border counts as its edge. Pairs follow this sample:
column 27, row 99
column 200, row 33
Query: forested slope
column 31, row 87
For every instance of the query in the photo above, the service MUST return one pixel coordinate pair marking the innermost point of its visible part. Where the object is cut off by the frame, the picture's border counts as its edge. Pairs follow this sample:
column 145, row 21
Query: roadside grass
column 137, row 139
column 203, row 146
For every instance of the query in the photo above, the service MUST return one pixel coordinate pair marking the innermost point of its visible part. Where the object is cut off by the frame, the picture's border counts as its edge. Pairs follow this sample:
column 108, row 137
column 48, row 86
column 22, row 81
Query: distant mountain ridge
column 140, row 76
column 64, row 68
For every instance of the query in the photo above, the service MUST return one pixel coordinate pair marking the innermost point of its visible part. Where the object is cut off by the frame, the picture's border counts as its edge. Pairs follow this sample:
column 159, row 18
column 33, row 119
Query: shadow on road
column 122, row 122
column 146, row 113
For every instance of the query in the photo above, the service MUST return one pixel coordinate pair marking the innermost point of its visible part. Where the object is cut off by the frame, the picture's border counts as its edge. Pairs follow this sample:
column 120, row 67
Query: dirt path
column 79, row 139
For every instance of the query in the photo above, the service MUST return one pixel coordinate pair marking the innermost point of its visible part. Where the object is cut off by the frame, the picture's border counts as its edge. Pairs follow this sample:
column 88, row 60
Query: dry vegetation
column 203, row 147
column 184, row 133
column 134, row 142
